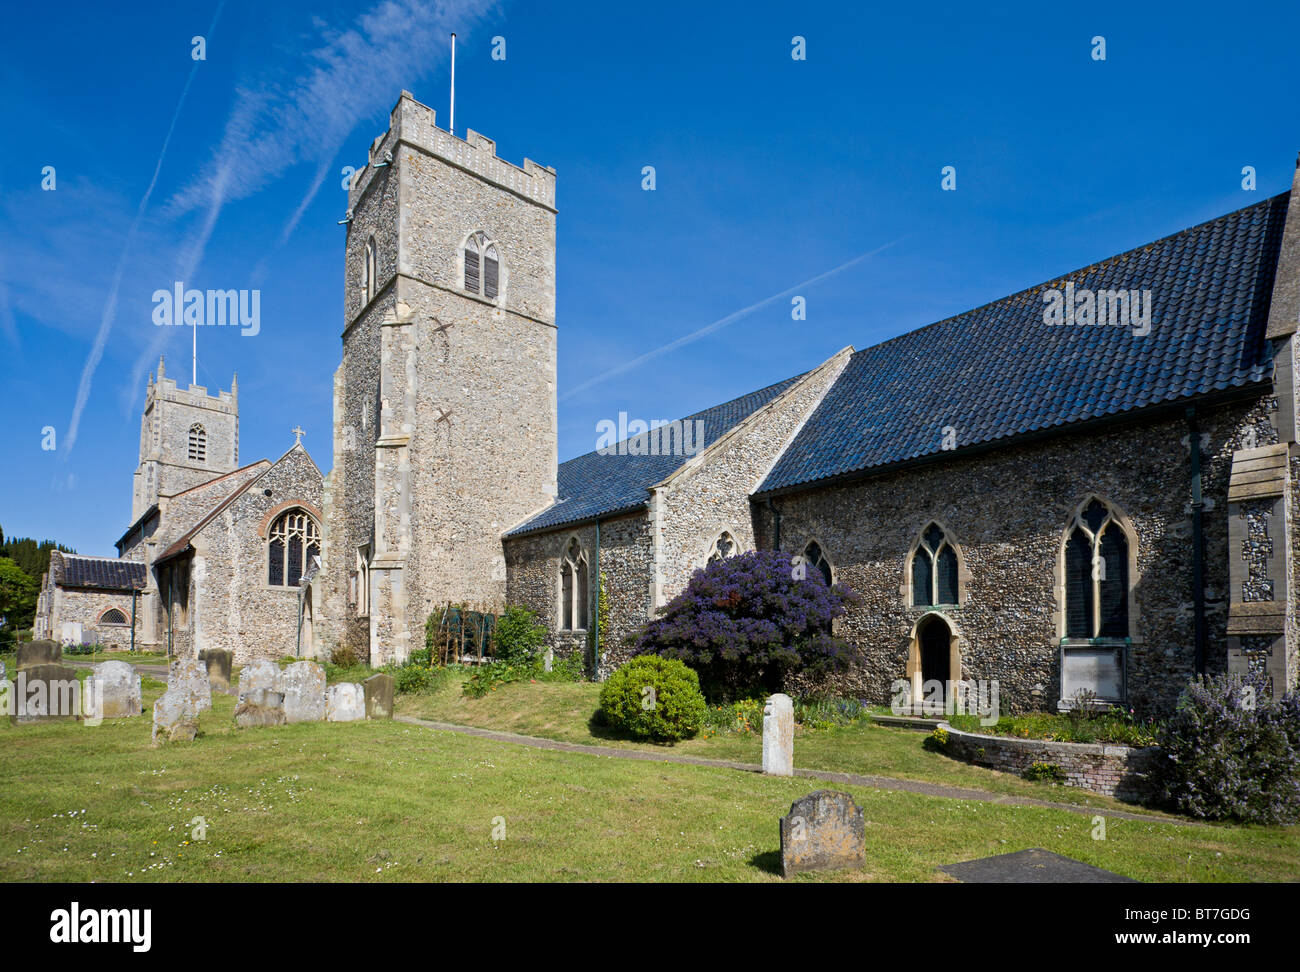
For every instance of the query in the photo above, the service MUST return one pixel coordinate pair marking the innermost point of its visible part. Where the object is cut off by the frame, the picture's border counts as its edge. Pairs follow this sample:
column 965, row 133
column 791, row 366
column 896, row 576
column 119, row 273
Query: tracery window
column 934, row 569
column 723, row 547
column 368, row 271
column 1096, row 574
column 198, row 445
column 815, row 557
column 573, row 588
column 294, row 540
column 482, row 266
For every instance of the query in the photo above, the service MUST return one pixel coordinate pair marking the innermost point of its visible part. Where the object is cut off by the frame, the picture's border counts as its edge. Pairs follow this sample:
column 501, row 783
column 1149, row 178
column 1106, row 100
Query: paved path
column 855, row 779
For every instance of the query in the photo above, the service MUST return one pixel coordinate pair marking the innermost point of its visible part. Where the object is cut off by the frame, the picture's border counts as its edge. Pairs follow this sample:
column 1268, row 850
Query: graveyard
column 378, row 799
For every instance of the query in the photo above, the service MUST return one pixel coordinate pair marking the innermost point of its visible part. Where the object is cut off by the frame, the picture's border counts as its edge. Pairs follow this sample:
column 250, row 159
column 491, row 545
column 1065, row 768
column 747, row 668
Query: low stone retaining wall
column 1114, row 771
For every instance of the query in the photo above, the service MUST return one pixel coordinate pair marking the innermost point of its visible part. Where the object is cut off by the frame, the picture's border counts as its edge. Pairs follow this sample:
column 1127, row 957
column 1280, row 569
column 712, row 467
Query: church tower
column 187, row 437
column 444, row 404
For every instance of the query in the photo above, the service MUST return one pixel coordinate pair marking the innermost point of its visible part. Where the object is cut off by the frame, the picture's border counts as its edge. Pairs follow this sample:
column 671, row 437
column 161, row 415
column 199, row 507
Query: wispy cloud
column 720, row 323
column 110, row 304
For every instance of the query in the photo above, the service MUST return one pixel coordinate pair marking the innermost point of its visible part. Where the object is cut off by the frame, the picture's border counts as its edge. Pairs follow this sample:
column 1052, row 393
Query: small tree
column 747, row 623
column 519, row 637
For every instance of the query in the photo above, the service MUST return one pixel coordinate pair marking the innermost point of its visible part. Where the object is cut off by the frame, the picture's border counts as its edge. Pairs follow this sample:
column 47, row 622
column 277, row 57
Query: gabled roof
column 102, row 573
column 182, row 543
column 999, row 371
column 595, row 485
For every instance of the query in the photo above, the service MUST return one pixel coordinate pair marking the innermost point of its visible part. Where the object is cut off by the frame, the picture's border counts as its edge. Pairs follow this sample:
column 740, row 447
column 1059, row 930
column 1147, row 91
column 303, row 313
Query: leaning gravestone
column 46, row 693
column 824, row 832
column 345, row 702
column 258, row 675
column 304, row 692
column 175, row 717
column 189, row 676
column 260, row 707
column 39, row 653
column 379, row 696
column 218, row 661
column 778, row 736
column 117, row 691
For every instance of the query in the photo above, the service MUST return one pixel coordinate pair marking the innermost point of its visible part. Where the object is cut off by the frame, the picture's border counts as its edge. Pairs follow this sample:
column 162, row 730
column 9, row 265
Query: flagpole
column 451, row 120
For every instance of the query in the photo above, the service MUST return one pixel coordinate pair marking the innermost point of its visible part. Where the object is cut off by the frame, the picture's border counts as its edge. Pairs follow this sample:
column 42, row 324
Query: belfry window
column 934, row 569
column 198, row 446
column 573, row 588
column 482, row 266
column 294, row 540
column 1096, row 574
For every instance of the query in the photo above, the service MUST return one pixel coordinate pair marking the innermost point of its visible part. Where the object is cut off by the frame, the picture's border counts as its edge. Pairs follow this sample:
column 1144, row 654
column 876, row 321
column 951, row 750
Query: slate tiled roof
column 593, row 485
column 102, row 573
column 999, row 371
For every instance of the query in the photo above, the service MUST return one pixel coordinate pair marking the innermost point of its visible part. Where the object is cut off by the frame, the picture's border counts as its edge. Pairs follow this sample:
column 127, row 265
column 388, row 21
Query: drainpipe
column 1198, row 559
column 171, row 593
column 594, row 616
column 776, row 524
column 134, row 595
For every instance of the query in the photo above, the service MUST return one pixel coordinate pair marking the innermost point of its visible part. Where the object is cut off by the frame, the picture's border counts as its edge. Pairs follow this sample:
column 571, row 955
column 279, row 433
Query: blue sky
column 770, row 172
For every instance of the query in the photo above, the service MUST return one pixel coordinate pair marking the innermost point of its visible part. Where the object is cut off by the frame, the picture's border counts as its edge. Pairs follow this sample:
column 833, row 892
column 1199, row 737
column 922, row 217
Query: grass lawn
column 563, row 710
column 385, row 801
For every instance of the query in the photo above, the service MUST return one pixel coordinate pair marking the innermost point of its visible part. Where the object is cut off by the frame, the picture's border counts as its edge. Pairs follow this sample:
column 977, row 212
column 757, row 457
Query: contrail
column 110, row 305
column 720, row 323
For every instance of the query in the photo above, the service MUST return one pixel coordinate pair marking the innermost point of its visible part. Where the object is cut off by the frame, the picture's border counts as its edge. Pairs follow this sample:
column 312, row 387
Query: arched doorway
column 935, row 638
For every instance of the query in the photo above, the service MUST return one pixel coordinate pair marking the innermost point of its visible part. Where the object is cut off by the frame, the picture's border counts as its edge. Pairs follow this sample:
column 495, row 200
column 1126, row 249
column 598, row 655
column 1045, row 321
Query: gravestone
column 260, row 707
column 39, row 653
column 1033, row 866
column 45, row 693
column 189, row 677
column 345, row 702
column 379, row 696
column 218, row 661
column 2, row 670
column 117, row 691
column 258, row 675
column 175, row 717
column 778, row 736
column 823, row 832
column 304, row 692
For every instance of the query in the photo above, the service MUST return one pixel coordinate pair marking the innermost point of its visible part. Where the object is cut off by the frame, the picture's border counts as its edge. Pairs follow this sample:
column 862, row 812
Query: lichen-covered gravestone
column 116, row 691
column 304, row 692
column 778, row 736
column 258, row 675
column 260, row 707
column 44, row 652
column 189, row 677
column 218, row 661
column 824, row 832
column 379, row 696
column 175, row 717
column 45, row 693
column 345, row 702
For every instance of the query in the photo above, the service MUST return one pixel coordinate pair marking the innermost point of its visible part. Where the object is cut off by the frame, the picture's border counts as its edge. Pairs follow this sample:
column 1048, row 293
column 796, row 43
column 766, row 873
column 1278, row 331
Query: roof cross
column 298, row 431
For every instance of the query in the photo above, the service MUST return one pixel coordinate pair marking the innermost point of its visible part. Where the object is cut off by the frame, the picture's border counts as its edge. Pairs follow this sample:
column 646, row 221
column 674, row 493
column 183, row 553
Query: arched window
column 1096, row 574
column 368, row 271
column 294, row 540
column 573, row 588
column 814, row 557
column 198, row 451
column 112, row 616
column 482, row 266
column 723, row 547
column 934, row 569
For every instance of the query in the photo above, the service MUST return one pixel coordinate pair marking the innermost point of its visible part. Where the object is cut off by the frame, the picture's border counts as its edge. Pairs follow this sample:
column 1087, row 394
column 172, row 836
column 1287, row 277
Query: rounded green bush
column 654, row 698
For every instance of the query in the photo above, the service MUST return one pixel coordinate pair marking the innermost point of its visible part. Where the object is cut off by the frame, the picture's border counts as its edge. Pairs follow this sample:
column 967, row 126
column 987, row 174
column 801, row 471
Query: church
column 1089, row 485
column 217, row 555
column 1102, row 501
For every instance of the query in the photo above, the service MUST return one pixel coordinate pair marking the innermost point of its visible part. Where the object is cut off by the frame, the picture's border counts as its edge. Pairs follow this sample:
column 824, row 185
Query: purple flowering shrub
column 1231, row 752
column 746, row 624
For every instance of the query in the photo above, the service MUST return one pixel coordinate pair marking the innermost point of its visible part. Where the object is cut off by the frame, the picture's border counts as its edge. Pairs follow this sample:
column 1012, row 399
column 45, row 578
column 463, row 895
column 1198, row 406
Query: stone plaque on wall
column 1094, row 668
